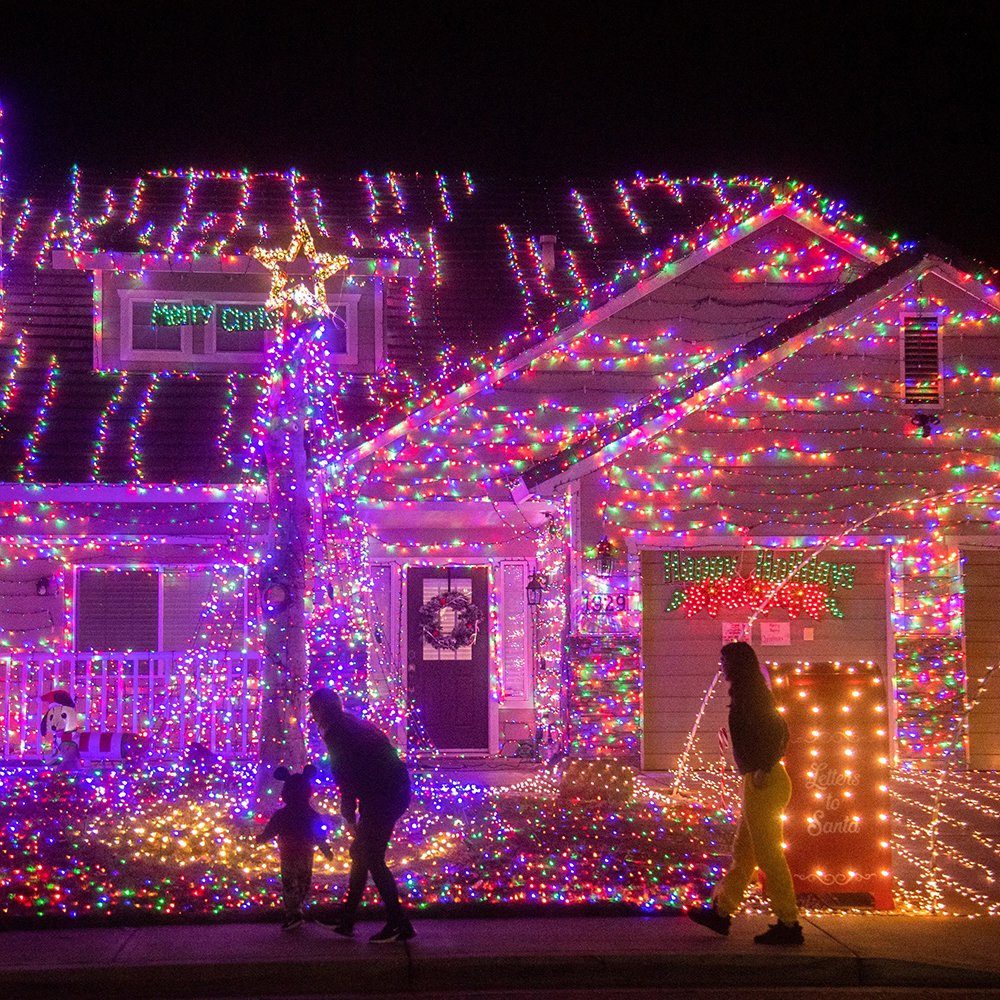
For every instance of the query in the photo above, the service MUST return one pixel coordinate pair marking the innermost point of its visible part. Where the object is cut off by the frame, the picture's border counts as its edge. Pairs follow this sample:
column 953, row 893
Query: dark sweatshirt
column 298, row 827
column 759, row 735
column 366, row 767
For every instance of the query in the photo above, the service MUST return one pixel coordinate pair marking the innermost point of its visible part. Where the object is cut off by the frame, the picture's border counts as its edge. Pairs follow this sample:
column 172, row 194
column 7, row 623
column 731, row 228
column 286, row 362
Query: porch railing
column 128, row 692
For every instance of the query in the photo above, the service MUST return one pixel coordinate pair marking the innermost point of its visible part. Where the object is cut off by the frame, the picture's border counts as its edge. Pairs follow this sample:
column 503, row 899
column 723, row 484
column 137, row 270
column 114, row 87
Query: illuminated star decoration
column 302, row 294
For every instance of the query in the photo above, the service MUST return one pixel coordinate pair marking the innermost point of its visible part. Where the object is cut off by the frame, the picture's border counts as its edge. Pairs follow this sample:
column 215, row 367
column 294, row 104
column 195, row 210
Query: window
column 921, row 360
column 154, row 609
column 117, row 610
column 149, row 333
column 242, row 328
column 173, row 329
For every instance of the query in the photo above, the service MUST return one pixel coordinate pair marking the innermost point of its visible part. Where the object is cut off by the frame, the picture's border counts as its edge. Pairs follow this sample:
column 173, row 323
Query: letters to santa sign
column 837, row 824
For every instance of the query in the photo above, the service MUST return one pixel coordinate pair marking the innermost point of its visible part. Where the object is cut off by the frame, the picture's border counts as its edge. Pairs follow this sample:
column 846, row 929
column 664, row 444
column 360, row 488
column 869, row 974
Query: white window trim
column 129, row 353
column 922, row 405
column 129, row 296
column 160, row 569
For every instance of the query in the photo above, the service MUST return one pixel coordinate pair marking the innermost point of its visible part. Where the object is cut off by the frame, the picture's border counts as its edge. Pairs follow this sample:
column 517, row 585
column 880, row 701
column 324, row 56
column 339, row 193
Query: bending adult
column 374, row 793
column 759, row 736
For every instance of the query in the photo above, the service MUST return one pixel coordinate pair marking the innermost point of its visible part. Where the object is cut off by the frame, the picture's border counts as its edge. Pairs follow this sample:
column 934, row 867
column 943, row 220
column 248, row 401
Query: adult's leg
column 762, row 812
column 730, row 890
column 375, row 831
column 358, row 876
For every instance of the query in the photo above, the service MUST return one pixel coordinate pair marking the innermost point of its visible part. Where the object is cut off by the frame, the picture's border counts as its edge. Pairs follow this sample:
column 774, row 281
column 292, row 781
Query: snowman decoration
column 62, row 721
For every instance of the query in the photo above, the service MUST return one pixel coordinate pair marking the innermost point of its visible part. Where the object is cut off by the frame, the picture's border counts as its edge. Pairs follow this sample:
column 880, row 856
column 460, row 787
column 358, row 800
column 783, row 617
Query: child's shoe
column 710, row 917
column 292, row 923
column 780, row 933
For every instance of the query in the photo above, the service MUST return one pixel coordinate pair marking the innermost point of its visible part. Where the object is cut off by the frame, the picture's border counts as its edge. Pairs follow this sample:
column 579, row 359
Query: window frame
column 160, row 569
column 211, row 353
column 905, row 316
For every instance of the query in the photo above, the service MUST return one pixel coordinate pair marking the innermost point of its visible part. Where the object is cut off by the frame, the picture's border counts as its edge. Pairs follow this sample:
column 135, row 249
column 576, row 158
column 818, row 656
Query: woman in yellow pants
column 759, row 736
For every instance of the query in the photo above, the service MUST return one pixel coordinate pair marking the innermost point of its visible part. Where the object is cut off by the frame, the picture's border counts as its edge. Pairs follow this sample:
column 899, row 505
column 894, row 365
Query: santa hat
column 59, row 697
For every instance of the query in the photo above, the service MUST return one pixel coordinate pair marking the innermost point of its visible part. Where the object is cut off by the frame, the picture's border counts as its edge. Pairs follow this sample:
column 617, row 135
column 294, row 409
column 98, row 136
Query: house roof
column 652, row 414
column 482, row 291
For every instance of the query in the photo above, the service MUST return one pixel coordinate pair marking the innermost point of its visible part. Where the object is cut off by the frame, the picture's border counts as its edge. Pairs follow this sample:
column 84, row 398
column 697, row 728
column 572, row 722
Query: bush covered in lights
column 176, row 841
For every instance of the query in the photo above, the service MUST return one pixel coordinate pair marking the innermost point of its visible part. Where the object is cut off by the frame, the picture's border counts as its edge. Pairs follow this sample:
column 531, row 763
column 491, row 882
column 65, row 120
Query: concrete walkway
column 453, row 956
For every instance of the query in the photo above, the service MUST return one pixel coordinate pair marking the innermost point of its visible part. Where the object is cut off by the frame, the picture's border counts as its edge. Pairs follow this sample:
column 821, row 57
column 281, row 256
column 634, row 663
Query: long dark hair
column 747, row 687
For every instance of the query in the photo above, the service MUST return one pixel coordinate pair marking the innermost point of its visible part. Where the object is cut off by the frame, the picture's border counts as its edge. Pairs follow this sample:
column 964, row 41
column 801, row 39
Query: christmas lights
column 785, row 456
column 737, row 593
column 837, row 823
column 586, row 222
column 444, row 196
column 26, row 470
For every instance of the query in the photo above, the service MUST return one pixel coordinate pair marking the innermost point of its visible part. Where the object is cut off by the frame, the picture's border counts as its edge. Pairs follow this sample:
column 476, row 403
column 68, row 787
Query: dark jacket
column 366, row 767
column 299, row 828
column 758, row 733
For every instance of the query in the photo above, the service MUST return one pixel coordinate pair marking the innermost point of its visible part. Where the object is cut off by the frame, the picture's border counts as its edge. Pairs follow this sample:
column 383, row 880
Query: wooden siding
column 981, row 580
column 681, row 654
column 777, row 458
column 646, row 346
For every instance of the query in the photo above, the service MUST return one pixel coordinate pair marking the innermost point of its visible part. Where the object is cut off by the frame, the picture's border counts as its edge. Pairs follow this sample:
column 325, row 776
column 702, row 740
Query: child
column 299, row 829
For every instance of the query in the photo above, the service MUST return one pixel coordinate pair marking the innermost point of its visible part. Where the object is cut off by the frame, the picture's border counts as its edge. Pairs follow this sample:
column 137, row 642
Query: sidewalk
column 578, row 953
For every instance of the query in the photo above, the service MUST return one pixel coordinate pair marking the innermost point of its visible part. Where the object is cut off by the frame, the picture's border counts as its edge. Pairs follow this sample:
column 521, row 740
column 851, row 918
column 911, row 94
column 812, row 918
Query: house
column 592, row 428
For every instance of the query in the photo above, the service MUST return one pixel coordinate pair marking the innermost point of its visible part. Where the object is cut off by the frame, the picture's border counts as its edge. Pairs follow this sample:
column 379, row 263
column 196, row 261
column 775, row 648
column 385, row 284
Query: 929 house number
column 606, row 604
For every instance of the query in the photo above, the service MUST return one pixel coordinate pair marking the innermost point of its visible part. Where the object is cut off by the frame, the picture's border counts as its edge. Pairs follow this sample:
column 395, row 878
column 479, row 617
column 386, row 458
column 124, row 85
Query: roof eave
column 719, row 378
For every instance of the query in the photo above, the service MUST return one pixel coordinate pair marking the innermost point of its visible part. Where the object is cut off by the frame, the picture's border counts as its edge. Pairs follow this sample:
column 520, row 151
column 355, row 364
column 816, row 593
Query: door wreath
column 467, row 619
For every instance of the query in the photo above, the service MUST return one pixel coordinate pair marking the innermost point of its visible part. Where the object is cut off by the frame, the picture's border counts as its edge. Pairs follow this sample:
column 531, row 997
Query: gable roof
column 628, row 286
column 664, row 408
column 481, row 287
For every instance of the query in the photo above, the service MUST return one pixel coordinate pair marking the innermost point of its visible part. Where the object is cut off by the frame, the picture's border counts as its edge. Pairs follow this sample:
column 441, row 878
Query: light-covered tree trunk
column 285, row 567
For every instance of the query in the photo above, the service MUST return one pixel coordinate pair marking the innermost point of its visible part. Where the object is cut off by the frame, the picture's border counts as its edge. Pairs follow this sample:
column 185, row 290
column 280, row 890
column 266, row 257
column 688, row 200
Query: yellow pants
column 758, row 845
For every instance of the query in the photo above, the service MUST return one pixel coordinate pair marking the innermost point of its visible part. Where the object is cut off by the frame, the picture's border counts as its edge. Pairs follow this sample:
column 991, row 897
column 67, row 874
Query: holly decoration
column 467, row 619
column 736, row 592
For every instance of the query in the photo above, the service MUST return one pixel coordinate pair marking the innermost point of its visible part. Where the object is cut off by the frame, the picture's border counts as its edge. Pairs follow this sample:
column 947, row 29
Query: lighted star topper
column 304, row 294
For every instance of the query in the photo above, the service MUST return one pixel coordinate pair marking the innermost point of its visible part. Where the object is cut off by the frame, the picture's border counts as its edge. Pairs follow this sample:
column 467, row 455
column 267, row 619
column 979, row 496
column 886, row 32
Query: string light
column 689, row 475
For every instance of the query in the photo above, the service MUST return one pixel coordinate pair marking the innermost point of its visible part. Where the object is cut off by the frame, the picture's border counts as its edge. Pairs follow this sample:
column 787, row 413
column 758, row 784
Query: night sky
column 895, row 113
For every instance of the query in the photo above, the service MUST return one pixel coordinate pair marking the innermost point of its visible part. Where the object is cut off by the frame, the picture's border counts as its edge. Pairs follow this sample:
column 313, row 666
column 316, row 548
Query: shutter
column 116, row 610
column 921, row 361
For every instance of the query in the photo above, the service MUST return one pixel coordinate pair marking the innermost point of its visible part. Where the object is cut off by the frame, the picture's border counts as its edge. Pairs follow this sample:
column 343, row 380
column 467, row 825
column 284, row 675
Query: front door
column 447, row 612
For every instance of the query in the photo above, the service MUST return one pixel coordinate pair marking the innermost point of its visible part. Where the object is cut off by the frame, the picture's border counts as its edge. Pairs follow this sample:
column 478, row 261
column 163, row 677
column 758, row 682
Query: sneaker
column 342, row 927
column 710, row 917
column 293, row 924
column 401, row 931
column 780, row 933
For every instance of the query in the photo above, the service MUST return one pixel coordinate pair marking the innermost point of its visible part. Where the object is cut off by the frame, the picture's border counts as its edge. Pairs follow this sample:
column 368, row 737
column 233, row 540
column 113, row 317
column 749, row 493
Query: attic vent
column 921, row 349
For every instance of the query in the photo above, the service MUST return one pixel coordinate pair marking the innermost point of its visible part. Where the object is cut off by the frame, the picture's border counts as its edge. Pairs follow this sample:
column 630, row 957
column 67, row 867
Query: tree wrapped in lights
column 298, row 294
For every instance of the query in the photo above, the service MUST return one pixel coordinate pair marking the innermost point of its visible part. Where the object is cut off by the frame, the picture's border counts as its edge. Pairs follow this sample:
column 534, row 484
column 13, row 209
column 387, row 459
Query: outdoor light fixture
column 43, row 587
column 275, row 596
column 606, row 557
column 927, row 422
column 537, row 585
